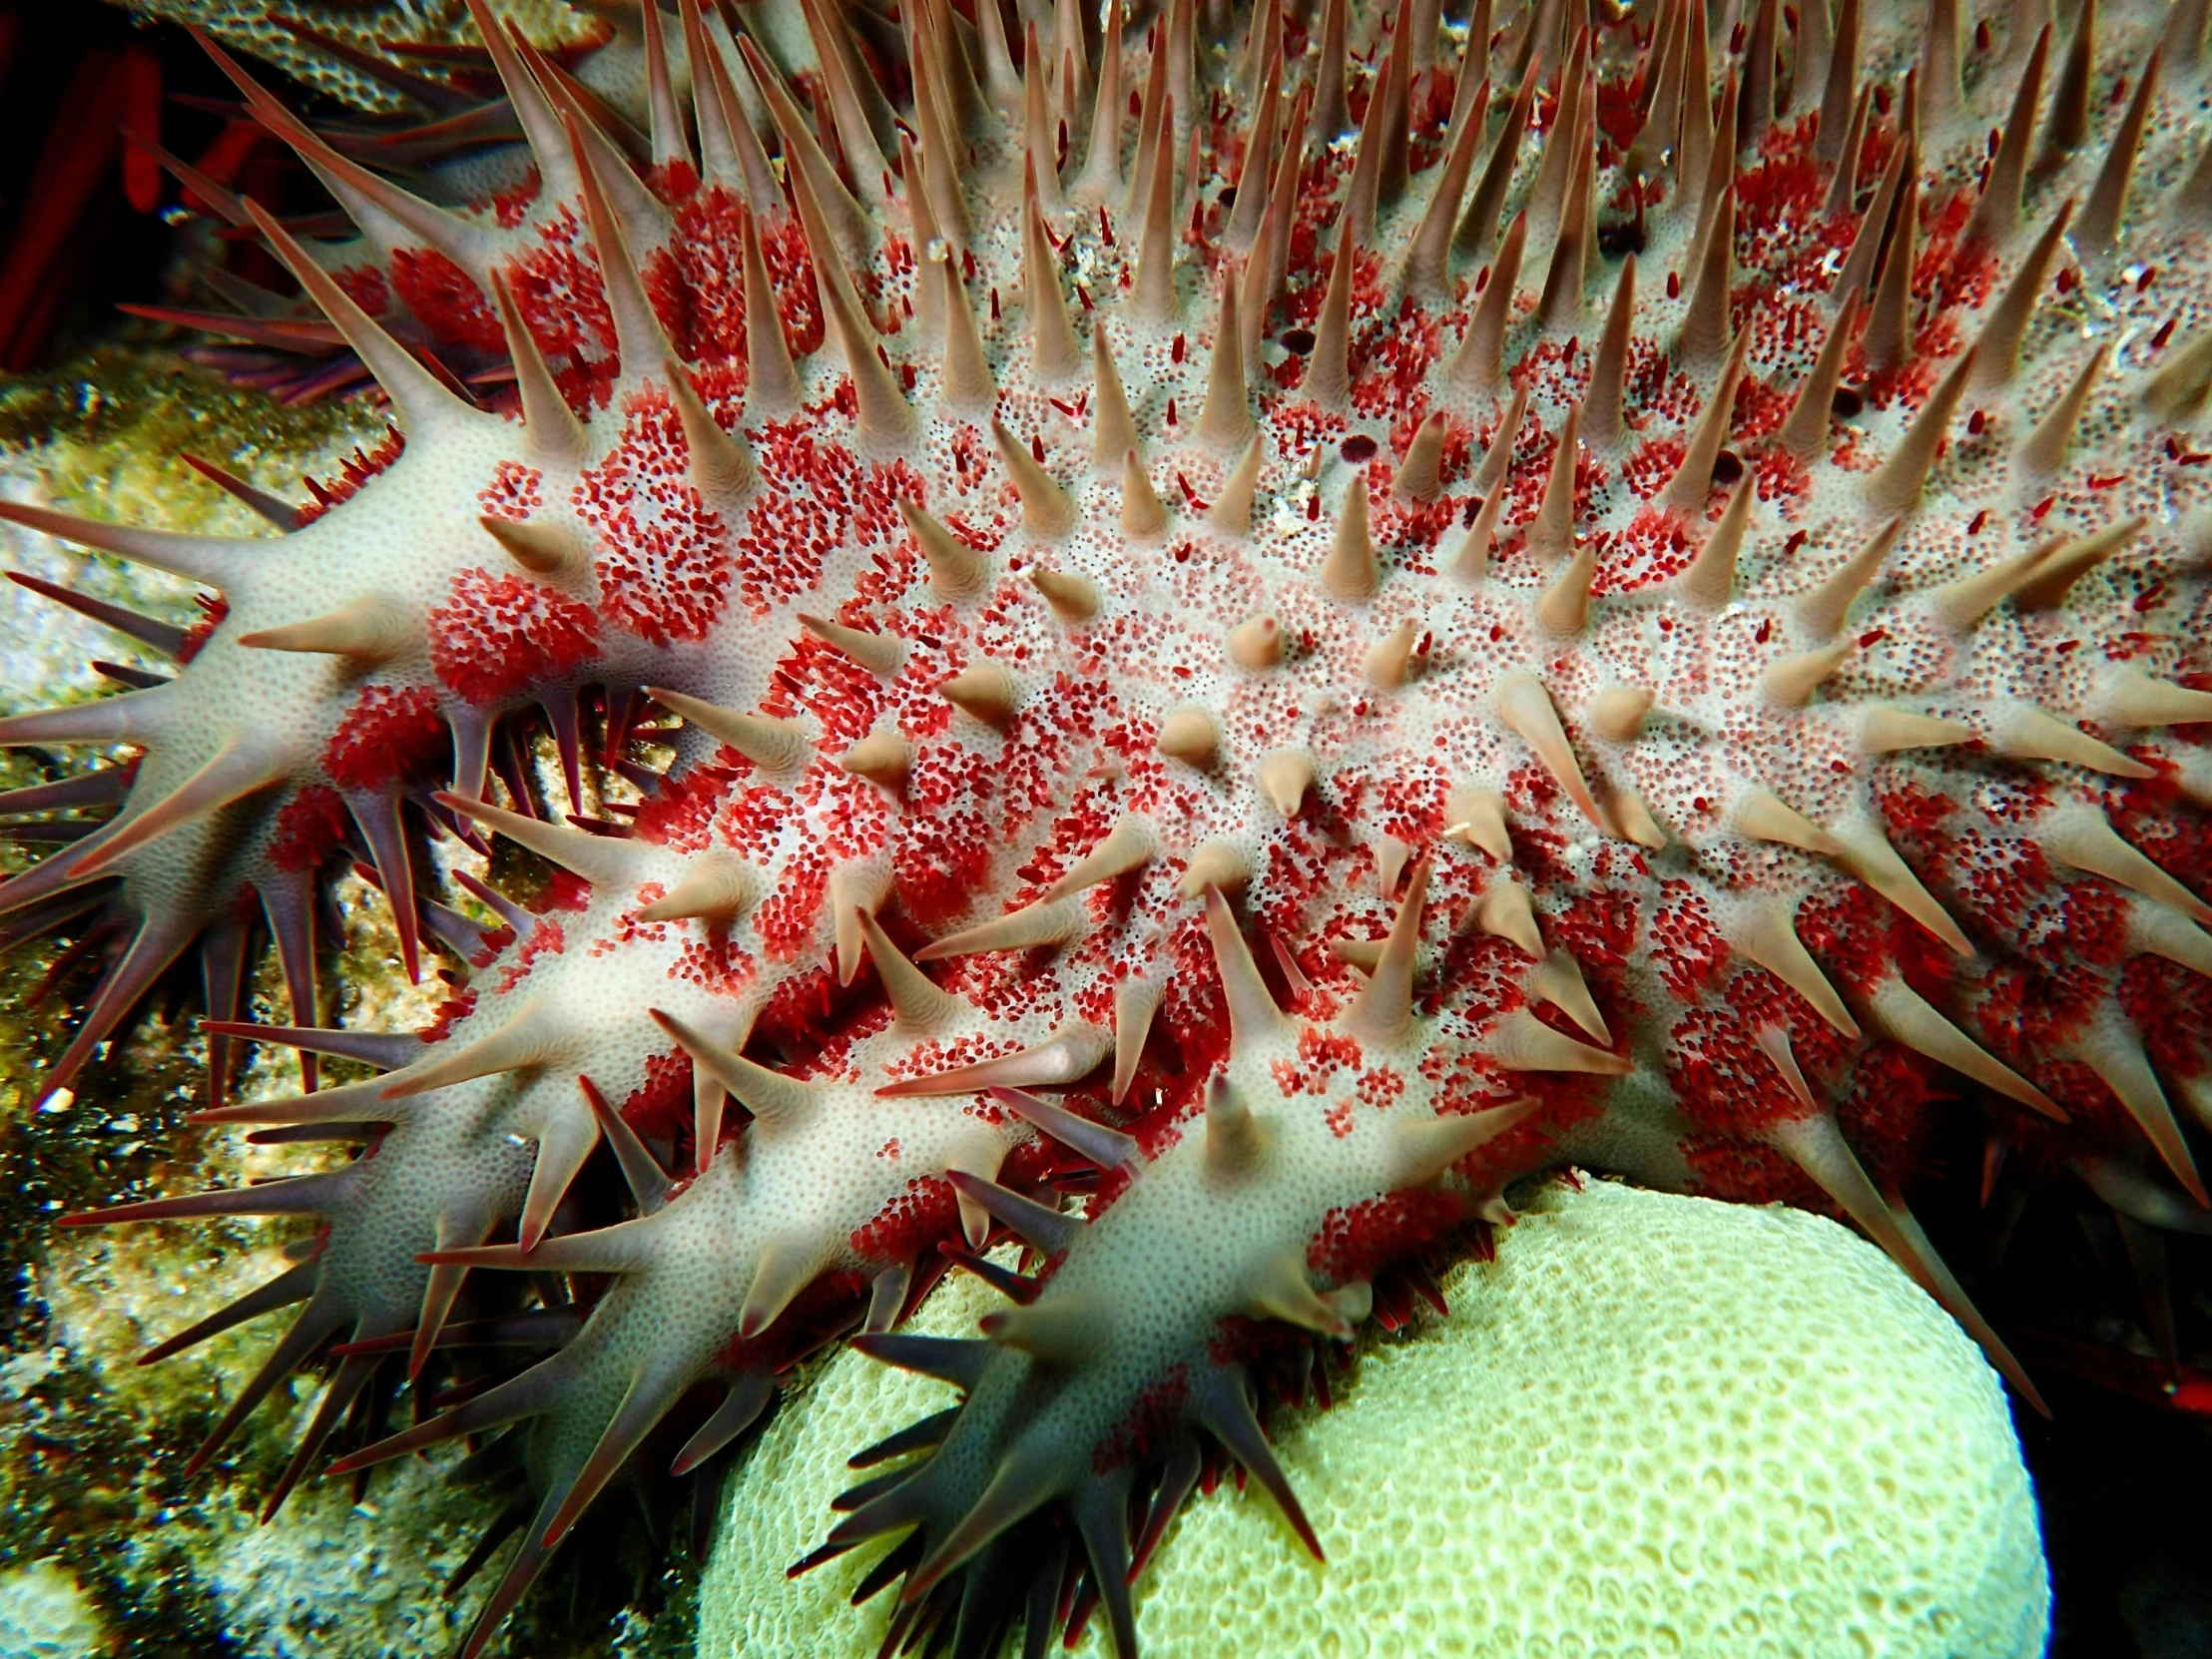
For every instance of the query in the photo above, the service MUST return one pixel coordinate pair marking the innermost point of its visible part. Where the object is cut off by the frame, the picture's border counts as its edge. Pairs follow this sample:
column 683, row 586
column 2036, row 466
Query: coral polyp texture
column 1197, row 640
column 1648, row 1479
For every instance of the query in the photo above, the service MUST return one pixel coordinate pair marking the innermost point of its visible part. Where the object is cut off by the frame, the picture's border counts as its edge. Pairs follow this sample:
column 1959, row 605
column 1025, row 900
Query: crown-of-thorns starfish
column 1647, row 611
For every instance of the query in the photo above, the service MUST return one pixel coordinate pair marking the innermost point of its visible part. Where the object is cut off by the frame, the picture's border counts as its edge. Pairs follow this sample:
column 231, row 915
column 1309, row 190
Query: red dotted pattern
column 660, row 1108
column 451, row 1012
column 354, row 471
column 1749, row 1172
column 911, row 1224
column 664, row 559
column 790, row 272
column 547, row 939
column 680, row 815
column 1725, row 1083
column 1686, row 948
column 515, row 491
column 711, row 275
column 786, row 918
column 500, row 638
column 446, row 300
column 364, row 284
column 1321, row 1057
column 715, row 965
column 557, row 288
column 214, row 609
column 1141, row 1434
column 391, row 733
column 309, row 827
column 1358, row 1242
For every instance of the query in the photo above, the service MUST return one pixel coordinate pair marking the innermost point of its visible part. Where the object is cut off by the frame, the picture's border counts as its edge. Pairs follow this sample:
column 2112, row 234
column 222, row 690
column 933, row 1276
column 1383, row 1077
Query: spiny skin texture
column 1402, row 703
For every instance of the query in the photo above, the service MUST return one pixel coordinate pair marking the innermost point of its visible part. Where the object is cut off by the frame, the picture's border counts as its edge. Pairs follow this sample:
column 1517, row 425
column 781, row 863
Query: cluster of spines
column 836, row 208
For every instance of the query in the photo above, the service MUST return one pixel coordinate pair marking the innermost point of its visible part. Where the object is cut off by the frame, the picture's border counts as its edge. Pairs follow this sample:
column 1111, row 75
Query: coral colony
column 1204, row 640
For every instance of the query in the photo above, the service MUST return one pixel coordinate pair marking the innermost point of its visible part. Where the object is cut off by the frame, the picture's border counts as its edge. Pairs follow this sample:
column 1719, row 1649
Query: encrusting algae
column 1128, row 673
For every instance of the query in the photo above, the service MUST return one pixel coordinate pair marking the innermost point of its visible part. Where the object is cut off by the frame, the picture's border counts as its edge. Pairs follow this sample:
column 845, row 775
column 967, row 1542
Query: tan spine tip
column 1883, row 729
column 721, row 466
column 1617, row 713
column 1505, row 911
column 1476, row 813
column 539, row 546
column 1225, row 422
column 1789, row 682
column 719, row 887
column 1113, row 430
column 1221, row 865
column 1047, row 512
column 1896, row 489
column 956, row 570
column 1551, row 531
column 1420, row 474
column 776, row 746
column 882, row 756
column 1761, row 816
column 1633, row 818
column 1075, row 600
column 1564, row 608
column 366, row 631
column 1350, row 573
column 1285, row 777
column 1231, row 513
column 1255, row 643
column 879, row 654
column 1525, row 708
column 986, row 691
column 1389, row 661
column 1142, row 516
column 1190, row 735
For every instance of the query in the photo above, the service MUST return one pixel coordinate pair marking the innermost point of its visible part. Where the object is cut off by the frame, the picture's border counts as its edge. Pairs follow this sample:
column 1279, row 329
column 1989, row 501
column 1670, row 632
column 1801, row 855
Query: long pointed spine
column 1888, row 341
column 1480, row 362
column 1156, row 301
column 1480, row 223
column 1804, row 432
column 1996, row 212
column 1602, row 404
column 1896, row 489
column 772, row 380
column 2005, row 326
column 419, row 397
column 2066, row 127
column 1329, row 367
column 2098, row 227
column 1101, row 180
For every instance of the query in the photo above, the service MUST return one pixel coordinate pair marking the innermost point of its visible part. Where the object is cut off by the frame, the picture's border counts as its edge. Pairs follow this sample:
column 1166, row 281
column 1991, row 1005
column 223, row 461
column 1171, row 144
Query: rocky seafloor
column 106, row 1546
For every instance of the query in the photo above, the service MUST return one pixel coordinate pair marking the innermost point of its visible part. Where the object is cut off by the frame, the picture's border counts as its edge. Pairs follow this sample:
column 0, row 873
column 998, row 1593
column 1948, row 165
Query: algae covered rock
column 109, row 1543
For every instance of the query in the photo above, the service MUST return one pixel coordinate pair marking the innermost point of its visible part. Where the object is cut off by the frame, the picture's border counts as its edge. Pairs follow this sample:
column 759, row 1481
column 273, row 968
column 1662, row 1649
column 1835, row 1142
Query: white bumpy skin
column 1687, row 713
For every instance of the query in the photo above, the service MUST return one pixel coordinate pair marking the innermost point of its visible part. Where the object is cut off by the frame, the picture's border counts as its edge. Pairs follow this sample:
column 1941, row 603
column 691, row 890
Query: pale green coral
column 1654, row 1424
column 252, row 26
column 45, row 1614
